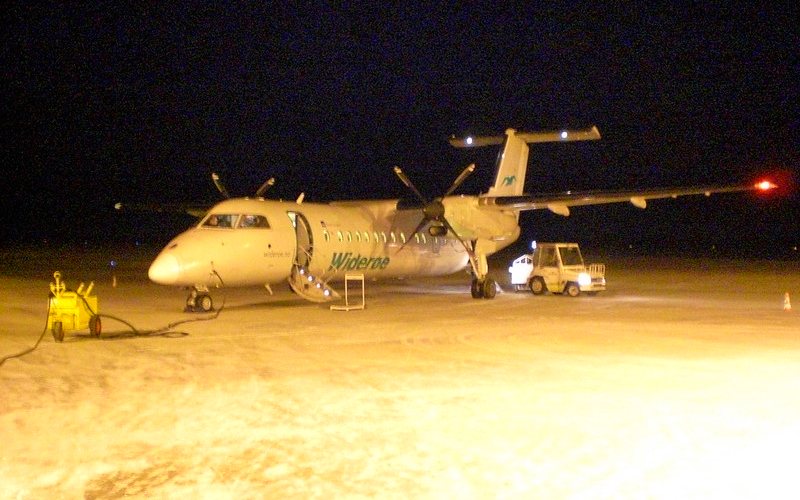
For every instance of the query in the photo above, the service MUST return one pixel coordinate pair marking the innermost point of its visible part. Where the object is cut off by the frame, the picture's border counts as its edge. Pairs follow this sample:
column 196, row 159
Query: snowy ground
column 682, row 381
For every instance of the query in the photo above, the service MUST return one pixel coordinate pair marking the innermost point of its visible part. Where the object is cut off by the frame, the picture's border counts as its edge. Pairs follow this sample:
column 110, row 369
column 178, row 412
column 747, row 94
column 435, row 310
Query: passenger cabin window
column 253, row 221
column 220, row 220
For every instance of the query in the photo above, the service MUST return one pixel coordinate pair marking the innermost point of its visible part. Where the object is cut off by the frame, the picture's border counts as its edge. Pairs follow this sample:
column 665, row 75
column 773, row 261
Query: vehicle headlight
column 584, row 279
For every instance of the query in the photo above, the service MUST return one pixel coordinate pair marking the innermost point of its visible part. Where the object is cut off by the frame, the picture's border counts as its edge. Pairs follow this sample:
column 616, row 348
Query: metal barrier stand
column 347, row 306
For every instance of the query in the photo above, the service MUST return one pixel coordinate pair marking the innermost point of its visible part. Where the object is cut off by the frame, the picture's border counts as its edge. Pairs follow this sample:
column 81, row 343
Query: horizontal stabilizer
column 590, row 134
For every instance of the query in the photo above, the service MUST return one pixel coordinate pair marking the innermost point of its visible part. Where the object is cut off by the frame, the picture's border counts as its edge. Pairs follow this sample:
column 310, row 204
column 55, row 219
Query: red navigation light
column 765, row 185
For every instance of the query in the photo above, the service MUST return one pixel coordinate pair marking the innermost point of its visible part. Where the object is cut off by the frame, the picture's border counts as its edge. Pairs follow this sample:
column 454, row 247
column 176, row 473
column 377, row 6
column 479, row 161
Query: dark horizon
column 141, row 104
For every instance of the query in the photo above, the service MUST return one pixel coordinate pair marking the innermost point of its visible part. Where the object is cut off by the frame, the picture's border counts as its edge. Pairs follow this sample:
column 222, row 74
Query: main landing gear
column 199, row 300
column 484, row 289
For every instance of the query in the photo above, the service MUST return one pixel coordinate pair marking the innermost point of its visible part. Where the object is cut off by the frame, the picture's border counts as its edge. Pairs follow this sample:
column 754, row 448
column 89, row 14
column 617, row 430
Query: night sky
column 109, row 102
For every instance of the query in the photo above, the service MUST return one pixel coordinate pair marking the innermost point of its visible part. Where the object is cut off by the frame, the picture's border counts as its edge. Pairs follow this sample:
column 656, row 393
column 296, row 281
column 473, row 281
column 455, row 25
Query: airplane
column 248, row 241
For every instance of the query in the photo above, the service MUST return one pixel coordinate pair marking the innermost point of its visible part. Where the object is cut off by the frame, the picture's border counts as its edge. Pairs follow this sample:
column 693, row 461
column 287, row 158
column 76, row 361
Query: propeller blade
column 219, row 185
column 264, row 187
column 416, row 230
column 470, row 253
column 408, row 184
column 461, row 177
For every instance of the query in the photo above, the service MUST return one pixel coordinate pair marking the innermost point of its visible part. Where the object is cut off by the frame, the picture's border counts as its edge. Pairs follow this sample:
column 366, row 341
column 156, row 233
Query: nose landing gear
column 199, row 300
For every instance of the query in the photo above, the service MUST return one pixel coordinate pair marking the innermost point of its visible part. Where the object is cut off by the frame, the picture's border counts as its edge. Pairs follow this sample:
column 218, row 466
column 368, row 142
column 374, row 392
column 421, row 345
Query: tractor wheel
column 537, row 286
column 572, row 289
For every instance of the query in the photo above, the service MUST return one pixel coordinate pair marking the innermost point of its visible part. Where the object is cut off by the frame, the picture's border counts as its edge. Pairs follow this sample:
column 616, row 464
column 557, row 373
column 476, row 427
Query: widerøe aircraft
column 257, row 241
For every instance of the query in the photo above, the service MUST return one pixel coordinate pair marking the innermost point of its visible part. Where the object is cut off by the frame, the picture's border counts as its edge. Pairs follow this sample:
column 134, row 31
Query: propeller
column 220, row 186
column 264, row 187
column 433, row 210
column 259, row 194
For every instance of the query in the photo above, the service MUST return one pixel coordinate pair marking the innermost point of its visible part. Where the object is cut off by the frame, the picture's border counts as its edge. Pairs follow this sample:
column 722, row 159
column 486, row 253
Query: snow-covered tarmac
column 681, row 381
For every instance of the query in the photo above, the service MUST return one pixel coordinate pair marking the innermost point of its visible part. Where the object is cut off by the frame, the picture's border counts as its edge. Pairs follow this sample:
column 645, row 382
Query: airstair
column 310, row 287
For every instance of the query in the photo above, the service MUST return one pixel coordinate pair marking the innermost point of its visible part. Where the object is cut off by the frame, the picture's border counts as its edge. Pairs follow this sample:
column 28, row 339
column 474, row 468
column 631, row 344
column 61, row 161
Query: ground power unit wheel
column 95, row 326
column 58, row 331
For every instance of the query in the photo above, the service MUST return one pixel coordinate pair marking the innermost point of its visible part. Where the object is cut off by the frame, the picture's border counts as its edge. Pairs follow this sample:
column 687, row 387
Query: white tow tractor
column 557, row 268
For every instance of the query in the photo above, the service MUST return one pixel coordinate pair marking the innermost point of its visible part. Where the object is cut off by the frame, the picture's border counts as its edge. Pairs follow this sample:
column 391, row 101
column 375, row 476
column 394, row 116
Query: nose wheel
column 199, row 301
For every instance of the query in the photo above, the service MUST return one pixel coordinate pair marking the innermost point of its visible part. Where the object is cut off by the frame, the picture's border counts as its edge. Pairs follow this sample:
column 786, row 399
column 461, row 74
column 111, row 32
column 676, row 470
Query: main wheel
column 58, row 331
column 489, row 288
column 477, row 289
column 537, row 285
column 95, row 326
column 572, row 289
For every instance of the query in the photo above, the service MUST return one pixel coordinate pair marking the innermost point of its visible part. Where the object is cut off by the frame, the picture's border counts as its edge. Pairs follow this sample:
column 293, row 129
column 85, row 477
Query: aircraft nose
column 165, row 270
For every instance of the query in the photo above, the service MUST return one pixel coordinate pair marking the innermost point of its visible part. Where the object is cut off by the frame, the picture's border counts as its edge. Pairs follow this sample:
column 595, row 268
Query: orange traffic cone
column 787, row 305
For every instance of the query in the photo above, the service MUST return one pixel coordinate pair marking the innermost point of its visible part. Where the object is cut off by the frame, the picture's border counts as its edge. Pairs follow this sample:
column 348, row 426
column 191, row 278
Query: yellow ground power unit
column 72, row 310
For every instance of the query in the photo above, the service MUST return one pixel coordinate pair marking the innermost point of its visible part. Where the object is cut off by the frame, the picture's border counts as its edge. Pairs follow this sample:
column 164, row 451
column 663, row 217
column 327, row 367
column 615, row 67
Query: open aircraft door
column 302, row 281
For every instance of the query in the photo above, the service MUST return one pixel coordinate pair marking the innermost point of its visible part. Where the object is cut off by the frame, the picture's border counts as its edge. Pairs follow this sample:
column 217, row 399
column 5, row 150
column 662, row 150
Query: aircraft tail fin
column 512, row 160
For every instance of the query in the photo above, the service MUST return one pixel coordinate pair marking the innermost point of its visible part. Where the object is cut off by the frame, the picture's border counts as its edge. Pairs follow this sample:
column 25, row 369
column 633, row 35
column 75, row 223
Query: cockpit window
column 257, row 221
column 220, row 220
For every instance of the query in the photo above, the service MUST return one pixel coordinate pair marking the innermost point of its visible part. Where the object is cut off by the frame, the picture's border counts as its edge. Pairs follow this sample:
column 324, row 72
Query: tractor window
column 570, row 256
column 548, row 257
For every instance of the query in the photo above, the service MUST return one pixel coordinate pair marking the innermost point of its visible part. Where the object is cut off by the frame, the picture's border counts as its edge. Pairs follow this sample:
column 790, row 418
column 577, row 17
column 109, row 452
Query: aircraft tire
column 489, row 288
column 205, row 303
column 477, row 289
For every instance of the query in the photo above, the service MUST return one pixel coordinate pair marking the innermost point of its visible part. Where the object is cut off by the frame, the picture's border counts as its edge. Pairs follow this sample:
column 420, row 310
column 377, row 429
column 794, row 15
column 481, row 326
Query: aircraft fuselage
column 328, row 240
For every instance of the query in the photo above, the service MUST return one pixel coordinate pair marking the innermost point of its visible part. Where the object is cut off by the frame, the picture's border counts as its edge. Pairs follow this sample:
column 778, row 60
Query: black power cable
column 31, row 349
column 166, row 331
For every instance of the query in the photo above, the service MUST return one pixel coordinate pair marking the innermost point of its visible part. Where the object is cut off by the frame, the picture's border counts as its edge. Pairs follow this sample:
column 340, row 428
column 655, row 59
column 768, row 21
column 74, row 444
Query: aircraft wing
column 560, row 202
